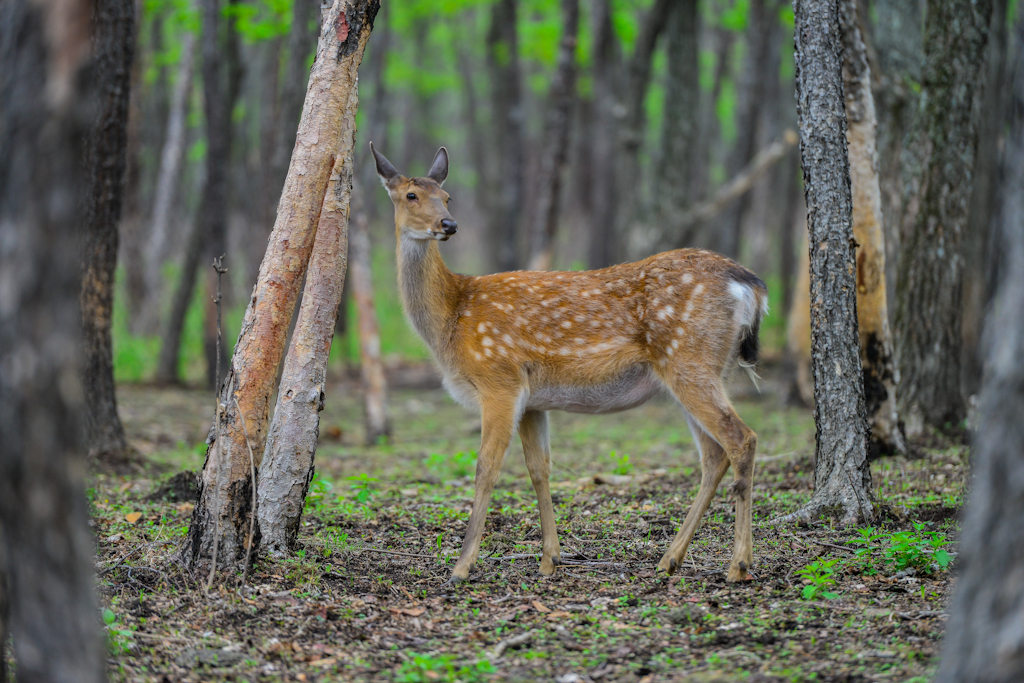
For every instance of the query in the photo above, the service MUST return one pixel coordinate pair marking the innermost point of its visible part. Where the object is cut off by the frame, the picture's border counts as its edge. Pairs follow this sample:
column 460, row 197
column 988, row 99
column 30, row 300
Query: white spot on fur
column 481, row 328
column 687, row 278
column 486, row 341
column 566, row 324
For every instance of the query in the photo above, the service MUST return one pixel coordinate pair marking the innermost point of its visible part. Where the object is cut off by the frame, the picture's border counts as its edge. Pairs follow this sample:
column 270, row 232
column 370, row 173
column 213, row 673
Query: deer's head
column 421, row 206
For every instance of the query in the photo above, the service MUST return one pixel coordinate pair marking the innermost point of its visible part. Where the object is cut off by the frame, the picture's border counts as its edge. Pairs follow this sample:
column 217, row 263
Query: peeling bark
column 287, row 466
column 842, row 478
column 375, row 400
column 876, row 352
column 319, row 144
column 46, row 117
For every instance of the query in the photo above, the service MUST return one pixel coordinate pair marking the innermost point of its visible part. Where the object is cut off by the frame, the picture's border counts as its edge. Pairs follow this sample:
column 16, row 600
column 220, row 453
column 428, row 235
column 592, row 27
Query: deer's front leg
column 533, row 430
column 498, row 416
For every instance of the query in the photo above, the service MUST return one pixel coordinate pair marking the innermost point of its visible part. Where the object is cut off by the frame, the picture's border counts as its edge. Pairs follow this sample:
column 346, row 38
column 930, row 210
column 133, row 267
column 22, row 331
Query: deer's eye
column 411, row 195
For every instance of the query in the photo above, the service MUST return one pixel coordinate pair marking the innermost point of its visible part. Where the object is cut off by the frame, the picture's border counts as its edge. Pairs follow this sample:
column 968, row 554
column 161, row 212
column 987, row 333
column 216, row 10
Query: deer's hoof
column 739, row 572
column 547, row 565
column 669, row 565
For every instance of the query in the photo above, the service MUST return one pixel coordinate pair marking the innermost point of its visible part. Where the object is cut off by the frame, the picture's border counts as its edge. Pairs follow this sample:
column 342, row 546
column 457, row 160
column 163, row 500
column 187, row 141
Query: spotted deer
column 516, row 345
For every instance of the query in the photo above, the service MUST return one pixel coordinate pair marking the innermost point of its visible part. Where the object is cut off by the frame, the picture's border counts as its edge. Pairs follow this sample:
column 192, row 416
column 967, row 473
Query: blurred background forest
column 669, row 102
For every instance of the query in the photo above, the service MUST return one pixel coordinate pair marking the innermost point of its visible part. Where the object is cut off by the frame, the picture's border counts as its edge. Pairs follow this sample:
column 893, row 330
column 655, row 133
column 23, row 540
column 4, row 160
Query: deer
column 516, row 345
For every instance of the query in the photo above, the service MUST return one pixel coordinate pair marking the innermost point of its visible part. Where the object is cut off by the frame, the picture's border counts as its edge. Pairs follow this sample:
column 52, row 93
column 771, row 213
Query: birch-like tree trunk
column 287, row 466
column 544, row 220
column 114, row 27
column 842, row 479
column 46, row 117
column 876, row 353
column 984, row 639
column 930, row 273
column 375, row 397
column 223, row 512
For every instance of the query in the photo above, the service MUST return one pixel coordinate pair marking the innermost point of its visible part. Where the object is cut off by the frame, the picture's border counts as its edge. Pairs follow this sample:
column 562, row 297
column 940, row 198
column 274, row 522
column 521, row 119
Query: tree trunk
column 761, row 18
column 166, row 186
column 287, row 466
column 223, row 511
column 507, row 131
column 930, row 273
column 544, row 222
column 628, row 110
column 222, row 78
column 900, row 52
column 676, row 170
column 375, row 399
column 603, row 177
column 842, row 478
column 880, row 374
column 979, row 260
column 114, row 26
column 46, row 119
column 983, row 638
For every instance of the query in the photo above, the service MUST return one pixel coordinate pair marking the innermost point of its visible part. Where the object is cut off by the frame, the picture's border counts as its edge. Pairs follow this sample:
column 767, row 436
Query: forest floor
column 364, row 597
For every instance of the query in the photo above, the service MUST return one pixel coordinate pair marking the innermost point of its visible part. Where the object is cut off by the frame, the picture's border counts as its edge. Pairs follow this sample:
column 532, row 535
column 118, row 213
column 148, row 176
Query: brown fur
column 516, row 344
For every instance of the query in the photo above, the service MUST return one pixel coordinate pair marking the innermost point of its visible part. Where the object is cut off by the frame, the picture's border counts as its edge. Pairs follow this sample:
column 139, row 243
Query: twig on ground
column 514, row 641
column 129, row 554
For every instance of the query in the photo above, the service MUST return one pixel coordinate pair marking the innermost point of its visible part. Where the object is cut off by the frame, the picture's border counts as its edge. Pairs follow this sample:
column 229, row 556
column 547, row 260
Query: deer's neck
column 429, row 290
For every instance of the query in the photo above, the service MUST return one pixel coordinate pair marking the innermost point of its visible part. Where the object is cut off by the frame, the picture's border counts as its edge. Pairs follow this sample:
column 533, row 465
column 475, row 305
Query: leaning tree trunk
column 842, row 479
column 983, row 638
column 287, row 466
column 544, row 220
column 223, row 511
column 930, row 273
column 876, row 354
column 375, row 398
column 114, row 26
column 45, row 120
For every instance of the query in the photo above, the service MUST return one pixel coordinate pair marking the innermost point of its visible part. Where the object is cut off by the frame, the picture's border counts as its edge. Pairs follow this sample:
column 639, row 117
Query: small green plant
column 362, row 485
column 318, row 493
column 431, row 668
column 622, row 464
column 923, row 551
column 818, row 576
column 119, row 638
column 462, row 464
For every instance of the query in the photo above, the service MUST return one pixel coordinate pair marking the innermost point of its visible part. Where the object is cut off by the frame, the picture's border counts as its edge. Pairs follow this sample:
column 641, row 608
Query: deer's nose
column 449, row 226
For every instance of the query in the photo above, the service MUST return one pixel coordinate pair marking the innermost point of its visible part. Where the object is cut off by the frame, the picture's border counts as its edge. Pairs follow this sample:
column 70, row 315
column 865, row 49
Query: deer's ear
column 439, row 167
column 385, row 170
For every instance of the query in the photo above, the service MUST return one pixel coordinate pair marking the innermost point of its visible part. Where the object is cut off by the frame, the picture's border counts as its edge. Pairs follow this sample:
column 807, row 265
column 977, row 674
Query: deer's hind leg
column 533, row 430
column 725, row 441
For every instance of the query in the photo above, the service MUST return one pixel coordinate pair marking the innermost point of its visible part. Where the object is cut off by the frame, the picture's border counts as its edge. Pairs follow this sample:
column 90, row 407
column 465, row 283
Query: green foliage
column 260, row 20
column 923, row 551
column 362, row 485
column 119, row 639
column 428, row 668
column 622, row 464
column 319, row 492
column 818, row 576
column 447, row 467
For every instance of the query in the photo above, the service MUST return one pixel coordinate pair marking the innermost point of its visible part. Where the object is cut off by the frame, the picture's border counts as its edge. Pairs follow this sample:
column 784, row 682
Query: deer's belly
column 634, row 387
